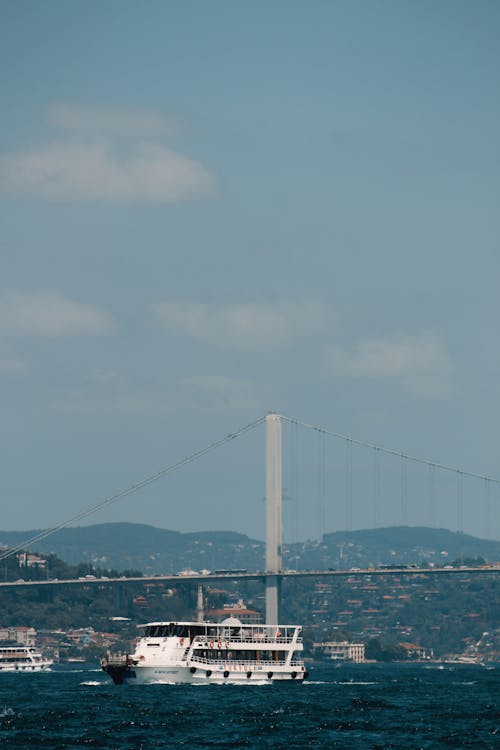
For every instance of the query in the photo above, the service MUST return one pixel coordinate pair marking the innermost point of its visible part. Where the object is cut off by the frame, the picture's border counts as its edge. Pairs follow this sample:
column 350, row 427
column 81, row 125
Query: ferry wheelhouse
column 192, row 652
column 22, row 659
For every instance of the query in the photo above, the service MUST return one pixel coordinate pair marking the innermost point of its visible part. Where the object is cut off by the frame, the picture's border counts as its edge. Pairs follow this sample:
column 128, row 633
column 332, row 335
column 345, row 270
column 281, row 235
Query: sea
column 358, row 706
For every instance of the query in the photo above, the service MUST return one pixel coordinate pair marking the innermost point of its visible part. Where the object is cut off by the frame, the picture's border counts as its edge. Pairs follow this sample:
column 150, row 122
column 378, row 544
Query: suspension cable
column 133, row 488
column 391, row 451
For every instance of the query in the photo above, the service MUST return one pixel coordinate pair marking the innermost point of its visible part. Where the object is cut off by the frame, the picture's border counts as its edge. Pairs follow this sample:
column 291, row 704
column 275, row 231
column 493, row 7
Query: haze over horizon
column 210, row 211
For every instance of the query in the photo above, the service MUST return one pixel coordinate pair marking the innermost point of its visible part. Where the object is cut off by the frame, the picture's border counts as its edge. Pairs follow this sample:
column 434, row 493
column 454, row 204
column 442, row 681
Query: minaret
column 199, row 605
column 273, row 516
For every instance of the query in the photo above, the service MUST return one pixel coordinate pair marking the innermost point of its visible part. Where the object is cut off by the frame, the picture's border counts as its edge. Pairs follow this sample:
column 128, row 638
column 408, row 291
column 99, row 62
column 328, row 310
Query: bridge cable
column 391, row 451
column 133, row 488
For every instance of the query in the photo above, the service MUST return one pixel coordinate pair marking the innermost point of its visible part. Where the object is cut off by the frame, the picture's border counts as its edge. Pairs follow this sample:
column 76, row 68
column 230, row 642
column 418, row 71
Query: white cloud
column 392, row 357
column 149, row 173
column 102, row 121
column 247, row 326
column 50, row 314
column 420, row 363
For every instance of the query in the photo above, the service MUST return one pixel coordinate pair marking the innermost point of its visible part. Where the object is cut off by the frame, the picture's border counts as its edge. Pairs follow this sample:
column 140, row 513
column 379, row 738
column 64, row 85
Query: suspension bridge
column 274, row 570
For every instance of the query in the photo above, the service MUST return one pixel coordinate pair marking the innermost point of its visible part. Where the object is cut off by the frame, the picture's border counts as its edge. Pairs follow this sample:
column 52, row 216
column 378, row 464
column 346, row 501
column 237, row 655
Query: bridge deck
column 258, row 575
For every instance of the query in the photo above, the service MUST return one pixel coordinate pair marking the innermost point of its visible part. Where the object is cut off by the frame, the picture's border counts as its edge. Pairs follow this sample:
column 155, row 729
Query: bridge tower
column 273, row 516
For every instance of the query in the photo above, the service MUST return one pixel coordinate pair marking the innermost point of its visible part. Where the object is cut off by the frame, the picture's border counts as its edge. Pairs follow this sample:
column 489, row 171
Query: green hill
column 153, row 550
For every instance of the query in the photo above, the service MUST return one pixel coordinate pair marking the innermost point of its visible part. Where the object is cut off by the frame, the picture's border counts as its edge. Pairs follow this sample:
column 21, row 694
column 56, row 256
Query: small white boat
column 192, row 652
column 22, row 659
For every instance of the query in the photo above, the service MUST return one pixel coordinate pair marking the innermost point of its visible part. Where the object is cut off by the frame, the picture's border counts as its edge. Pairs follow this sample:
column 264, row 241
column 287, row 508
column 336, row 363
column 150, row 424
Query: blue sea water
column 359, row 707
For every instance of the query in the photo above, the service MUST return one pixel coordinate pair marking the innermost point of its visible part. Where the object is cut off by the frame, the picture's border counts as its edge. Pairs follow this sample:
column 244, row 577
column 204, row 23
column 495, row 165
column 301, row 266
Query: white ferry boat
column 22, row 659
column 193, row 652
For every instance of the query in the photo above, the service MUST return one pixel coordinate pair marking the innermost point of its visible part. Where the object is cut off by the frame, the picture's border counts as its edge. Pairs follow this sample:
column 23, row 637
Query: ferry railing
column 244, row 664
column 250, row 632
column 201, row 641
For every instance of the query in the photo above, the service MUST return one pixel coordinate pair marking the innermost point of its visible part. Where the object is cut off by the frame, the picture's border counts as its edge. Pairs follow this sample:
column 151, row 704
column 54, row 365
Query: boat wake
column 354, row 682
column 93, row 683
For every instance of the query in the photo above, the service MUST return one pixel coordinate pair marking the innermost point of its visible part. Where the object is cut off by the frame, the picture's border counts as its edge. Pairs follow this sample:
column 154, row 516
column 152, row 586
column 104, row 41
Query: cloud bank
column 43, row 313
column 420, row 363
column 92, row 166
column 245, row 326
column 150, row 173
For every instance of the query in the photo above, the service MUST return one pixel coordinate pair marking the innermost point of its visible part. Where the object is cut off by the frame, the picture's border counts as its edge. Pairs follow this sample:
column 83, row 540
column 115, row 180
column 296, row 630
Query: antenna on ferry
column 274, row 498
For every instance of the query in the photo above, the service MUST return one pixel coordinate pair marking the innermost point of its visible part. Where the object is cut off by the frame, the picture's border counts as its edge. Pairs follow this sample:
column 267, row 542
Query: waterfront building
column 341, row 650
column 19, row 634
column 418, row 653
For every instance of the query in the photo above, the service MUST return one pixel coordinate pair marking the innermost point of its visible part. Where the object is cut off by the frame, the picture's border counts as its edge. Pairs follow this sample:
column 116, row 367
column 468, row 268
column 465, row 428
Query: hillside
column 407, row 544
column 143, row 547
column 153, row 550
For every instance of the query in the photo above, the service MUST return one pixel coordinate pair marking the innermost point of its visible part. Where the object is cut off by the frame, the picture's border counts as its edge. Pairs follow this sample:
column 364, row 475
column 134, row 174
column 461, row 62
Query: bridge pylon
column 274, row 496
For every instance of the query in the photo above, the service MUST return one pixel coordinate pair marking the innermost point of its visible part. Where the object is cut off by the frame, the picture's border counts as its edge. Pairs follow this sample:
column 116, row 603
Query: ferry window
column 197, row 631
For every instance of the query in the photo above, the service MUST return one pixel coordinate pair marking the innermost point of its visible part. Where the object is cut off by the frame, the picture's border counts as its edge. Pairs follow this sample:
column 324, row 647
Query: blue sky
column 213, row 210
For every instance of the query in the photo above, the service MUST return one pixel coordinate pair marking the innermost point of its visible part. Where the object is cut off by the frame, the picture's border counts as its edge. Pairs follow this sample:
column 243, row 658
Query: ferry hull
column 25, row 667
column 141, row 675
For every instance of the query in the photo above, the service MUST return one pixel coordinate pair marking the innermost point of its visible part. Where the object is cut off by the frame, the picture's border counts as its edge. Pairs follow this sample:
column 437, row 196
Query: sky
column 210, row 211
